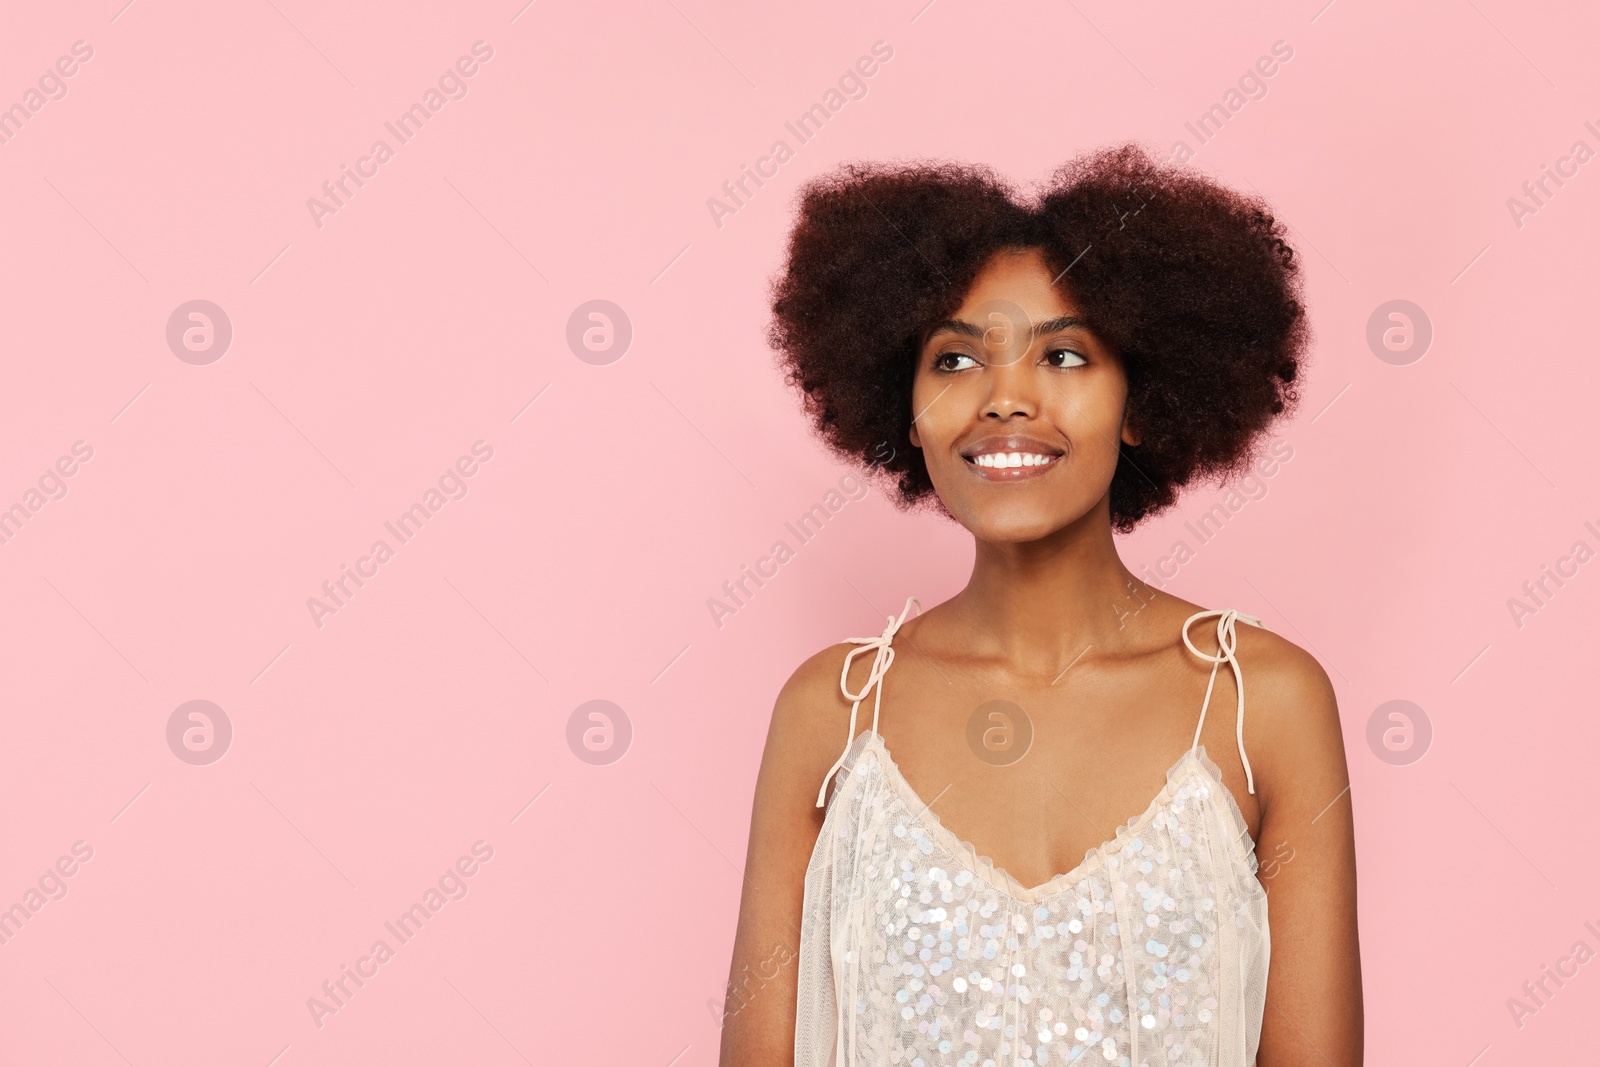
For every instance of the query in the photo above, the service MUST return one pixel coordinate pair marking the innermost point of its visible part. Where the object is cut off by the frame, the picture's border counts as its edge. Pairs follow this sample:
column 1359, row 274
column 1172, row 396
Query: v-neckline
column 1003, row 880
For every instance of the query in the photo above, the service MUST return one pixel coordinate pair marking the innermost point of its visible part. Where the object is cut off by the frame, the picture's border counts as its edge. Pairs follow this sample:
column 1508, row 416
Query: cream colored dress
column 915, row 951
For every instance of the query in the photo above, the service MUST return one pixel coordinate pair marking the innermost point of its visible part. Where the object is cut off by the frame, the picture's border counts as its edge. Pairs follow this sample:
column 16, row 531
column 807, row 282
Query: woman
column 1070, row 853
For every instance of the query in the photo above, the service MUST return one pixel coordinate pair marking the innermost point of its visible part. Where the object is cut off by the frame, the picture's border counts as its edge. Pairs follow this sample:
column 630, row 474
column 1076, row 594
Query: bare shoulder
column 811, row 717
column 1277, row 671
column 1281, row 672
column 1292, row 726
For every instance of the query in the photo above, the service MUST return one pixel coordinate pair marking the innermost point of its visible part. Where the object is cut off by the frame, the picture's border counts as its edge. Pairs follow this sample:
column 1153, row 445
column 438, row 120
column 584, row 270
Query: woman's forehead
column 1024, row 278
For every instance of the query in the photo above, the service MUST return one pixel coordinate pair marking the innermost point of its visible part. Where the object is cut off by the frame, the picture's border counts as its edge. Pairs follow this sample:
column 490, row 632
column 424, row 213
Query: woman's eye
column 1064, row 357
column 943, row 361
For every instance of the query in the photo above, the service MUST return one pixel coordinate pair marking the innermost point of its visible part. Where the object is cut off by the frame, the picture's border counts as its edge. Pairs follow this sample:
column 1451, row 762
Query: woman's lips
column 1010, row 466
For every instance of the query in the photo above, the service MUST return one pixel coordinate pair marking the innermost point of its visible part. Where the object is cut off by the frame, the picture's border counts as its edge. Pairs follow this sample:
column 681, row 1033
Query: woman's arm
column 1306, row 852
column 804, row 738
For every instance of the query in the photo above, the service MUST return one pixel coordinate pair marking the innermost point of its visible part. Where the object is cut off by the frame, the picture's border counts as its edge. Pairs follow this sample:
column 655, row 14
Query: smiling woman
column 1019, row 340
column 1047, row 372
column 1190, row 287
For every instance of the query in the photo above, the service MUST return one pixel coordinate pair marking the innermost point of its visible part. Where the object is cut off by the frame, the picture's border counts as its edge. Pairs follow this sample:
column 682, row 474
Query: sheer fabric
column 915, row 950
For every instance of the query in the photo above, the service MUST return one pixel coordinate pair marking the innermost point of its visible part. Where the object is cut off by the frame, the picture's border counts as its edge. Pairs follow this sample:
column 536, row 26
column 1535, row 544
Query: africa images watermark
column 1538, row 591
column 851, row 85
column 51, row 486
column 1536, row 992
column 452, row 85
column 338, row 992
column 742, row 991
column 452, row 485
column 1252, row 85
column 804, row 527
column 1211, row 521
column 52, row 885
column 51, row 85
column 1538, row 190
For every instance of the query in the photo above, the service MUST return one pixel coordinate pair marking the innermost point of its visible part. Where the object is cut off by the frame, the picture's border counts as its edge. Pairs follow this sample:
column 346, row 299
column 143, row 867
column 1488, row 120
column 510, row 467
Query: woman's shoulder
column 1269, row 658
column 816, row 688
column 812, row 689
column 811, row 714
column 1281, row 676
column 1292, row 726
column 1292, row 729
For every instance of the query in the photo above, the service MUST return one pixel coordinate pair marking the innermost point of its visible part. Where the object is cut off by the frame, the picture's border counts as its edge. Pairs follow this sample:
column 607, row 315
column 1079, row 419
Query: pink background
column 371, row 352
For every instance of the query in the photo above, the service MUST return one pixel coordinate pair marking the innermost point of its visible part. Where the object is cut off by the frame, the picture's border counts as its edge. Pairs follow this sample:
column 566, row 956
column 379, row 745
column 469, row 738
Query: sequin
column 916, row 950
column 1084, row 967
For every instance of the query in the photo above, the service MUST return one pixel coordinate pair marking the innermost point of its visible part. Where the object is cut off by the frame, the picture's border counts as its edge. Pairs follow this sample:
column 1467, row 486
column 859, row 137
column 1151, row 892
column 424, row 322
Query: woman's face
column 1018, row 408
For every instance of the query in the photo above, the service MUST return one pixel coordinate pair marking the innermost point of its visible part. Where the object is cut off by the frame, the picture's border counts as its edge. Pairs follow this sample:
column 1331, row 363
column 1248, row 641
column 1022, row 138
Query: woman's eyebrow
column 967, row 329
column 957, row 326
column 1064, row 322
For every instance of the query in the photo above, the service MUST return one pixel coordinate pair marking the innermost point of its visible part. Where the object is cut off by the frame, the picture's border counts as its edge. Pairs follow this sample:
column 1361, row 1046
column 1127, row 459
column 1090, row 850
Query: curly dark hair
column 1191, row 283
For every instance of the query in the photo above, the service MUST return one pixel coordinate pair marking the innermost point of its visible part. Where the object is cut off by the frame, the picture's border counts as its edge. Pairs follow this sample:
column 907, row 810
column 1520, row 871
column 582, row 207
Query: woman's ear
column 1130, row 436
column 916, row 441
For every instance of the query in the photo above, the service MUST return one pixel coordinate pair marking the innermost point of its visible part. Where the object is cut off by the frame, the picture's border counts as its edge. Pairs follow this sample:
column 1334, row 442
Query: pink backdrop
column 179, row 488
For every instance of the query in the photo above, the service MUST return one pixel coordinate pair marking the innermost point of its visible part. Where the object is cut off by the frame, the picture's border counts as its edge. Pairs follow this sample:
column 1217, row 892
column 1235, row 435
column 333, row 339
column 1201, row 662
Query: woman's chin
column 1019, row 526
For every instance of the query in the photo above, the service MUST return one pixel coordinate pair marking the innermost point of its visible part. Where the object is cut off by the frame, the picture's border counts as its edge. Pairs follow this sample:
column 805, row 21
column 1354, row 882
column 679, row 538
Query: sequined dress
column 916, row 951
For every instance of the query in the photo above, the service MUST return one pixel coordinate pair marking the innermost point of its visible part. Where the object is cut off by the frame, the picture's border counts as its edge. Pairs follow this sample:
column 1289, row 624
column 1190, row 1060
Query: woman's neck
column 1044, row 602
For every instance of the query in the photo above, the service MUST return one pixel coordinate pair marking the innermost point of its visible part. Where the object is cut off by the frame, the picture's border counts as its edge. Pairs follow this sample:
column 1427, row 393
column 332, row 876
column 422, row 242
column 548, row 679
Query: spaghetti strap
column 1226, row 643
column 880, row 666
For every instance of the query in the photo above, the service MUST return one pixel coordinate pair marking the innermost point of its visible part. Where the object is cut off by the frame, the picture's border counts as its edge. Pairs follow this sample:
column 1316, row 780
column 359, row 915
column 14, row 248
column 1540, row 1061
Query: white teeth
column 1004, row 460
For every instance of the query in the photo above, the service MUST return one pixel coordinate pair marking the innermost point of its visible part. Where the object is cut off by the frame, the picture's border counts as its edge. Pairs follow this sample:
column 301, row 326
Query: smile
column 1011, row 466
